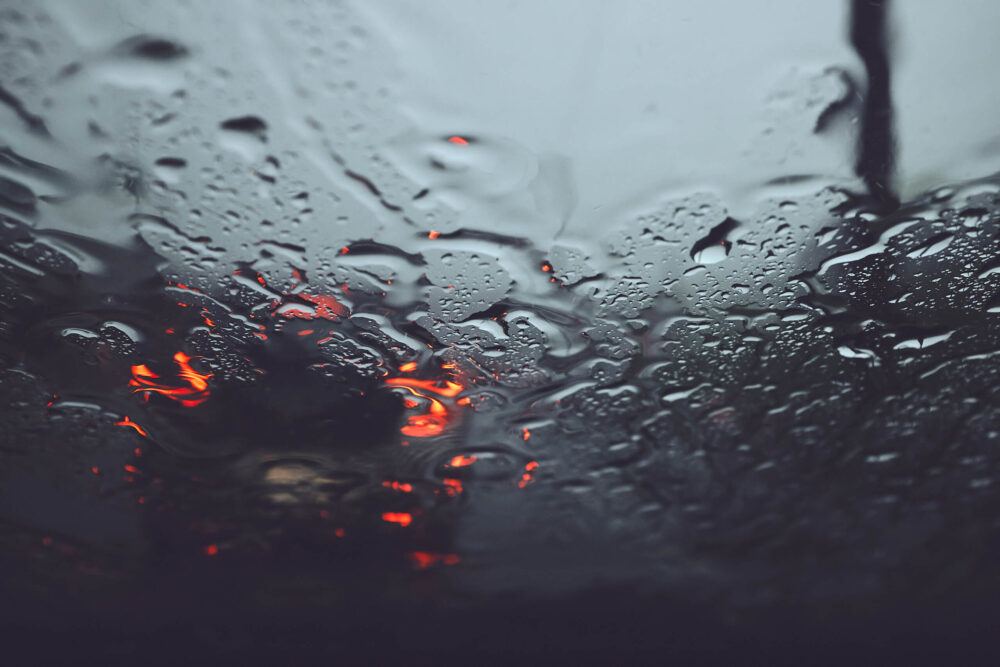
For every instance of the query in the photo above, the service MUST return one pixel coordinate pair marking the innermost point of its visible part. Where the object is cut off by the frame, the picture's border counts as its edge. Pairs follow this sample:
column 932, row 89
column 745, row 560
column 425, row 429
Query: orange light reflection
column 129, row 422
column 398, row 486
column 194, row 394
column 437, row 417
column 424, row 559
column 402, row 518
column 461, row 461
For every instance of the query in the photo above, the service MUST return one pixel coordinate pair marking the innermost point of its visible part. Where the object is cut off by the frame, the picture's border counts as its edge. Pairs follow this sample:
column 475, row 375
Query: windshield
column 403, row 316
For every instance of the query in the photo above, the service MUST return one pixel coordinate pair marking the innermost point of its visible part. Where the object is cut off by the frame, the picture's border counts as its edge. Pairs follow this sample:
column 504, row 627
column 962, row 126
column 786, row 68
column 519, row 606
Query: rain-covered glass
column 450, row 330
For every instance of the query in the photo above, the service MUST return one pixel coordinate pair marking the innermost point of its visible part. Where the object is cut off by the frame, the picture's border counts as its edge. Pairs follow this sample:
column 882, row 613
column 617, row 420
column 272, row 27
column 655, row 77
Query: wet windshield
column 389, row 311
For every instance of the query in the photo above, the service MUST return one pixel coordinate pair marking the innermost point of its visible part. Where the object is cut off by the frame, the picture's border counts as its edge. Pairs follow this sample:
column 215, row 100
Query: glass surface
column 577, row 331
